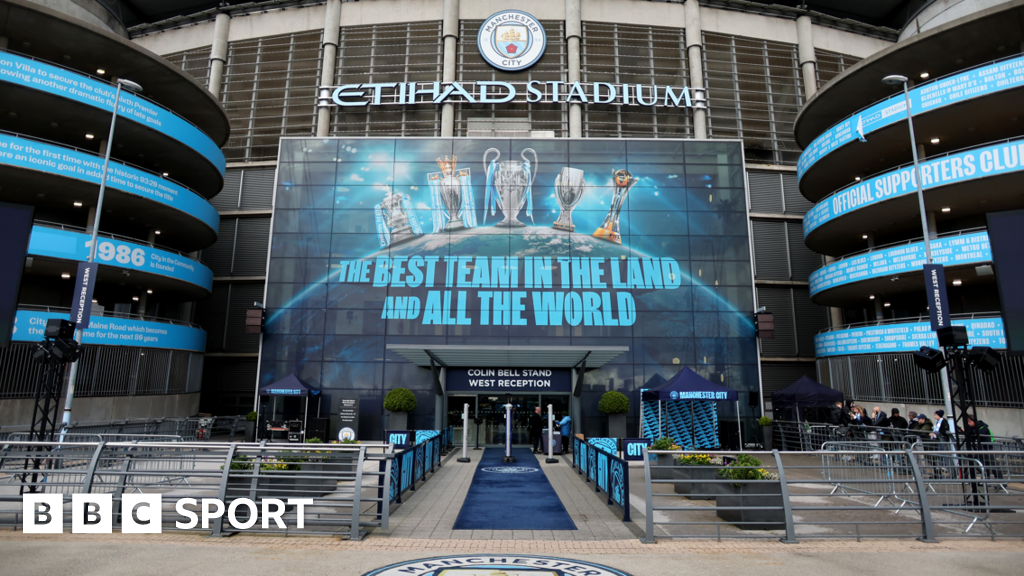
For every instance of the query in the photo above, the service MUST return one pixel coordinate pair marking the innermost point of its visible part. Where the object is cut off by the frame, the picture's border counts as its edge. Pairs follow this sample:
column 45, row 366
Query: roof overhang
column 453, row 355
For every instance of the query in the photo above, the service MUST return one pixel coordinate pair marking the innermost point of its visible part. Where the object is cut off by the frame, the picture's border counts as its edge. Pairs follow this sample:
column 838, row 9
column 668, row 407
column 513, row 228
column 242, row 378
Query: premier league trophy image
column 609, row 230
column 396, row 221
column 510, row 187
column 451, row 197
column 569, row 188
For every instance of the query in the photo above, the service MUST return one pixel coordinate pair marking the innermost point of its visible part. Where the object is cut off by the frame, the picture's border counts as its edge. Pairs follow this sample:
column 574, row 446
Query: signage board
column 633, row 448
column 508, row 380
column 511, row 40
column 15, row 228
column 347, row 422
column 938, row 303
column 1007, row 232
column 29, row 326
column 81, row 299
column 904, row 337
column 400, row 438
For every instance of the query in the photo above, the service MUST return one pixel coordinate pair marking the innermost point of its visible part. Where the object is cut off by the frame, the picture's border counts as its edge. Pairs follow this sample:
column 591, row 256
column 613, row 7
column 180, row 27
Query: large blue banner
column 906, row 337
column 1002, row 158
column 53, row 80
column 69, row 245
column 981, row 81
column 87, row 167
column 30, row 324
column 949, row 251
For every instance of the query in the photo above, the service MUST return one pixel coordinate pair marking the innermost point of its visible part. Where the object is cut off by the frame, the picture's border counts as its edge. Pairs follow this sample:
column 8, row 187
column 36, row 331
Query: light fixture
column 945, row 208
column 863, row 236
column 101, row 71
column 165, row 174
column 78, row 204
column 149, row 291
column 95, row 301
column 872, row 297
column 957, row 282
column 157, row 232
column 886, row 304
column 89, row 136
column 894, row 79
column 935, row 140
column 924, row 75
column 65, row 275
column 856, row 178
column 135, row 298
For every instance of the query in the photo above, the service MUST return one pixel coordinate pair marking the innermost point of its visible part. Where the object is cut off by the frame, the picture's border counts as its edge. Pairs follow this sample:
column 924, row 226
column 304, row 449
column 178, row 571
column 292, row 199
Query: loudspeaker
column 952, row 336
column 754, row 399
column 984, row 358
column 929, row 359
column 57, row 328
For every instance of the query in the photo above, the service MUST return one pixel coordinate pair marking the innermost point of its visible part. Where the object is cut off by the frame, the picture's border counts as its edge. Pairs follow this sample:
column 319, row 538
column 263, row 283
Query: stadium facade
column 763, row 80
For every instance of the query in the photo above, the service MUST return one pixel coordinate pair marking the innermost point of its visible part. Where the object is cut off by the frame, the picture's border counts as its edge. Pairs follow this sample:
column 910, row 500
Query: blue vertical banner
column 938, row 303
column 81, row 300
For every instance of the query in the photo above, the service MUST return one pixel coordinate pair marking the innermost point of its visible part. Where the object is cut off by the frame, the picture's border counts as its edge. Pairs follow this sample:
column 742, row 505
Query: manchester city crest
column 511, row 40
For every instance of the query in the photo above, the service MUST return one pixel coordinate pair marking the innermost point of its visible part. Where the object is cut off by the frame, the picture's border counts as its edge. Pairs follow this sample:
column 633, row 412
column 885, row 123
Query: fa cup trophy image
column 569, row 188
column 396, row 221
column 510, row 187
column 609, row 230
column 451, row 196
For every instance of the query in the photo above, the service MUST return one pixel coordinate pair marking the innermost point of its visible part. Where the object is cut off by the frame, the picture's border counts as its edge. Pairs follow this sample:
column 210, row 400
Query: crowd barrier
column 195, row 428
column 605, row 469
column 843, row 490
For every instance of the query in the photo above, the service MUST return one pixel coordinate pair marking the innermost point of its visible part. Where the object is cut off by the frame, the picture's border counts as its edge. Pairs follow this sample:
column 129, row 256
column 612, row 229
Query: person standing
column 565, row 425
column 536, row 427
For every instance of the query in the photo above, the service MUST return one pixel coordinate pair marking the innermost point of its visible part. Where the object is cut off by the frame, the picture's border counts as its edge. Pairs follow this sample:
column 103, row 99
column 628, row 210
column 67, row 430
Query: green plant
column 251, row 416
column 613, row 402
column 400, row 400
column 700, row 460
column 243, row 462
column 664, row 443
column 314, row 440
column 350, row 442
column 746, row 467
column 764, row 421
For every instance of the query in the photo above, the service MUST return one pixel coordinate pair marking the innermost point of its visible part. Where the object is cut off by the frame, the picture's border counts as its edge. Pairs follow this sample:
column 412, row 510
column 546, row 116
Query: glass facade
column 366, row 250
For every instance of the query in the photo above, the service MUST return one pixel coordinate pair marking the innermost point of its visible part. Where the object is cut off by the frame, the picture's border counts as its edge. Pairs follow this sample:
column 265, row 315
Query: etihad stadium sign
column 496, row 92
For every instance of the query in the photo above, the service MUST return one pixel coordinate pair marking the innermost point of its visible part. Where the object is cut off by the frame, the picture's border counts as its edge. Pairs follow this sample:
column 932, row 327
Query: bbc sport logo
column 143, row 513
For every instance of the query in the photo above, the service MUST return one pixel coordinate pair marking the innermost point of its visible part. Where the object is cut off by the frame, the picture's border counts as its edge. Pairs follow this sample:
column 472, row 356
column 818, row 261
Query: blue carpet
column 520, row 499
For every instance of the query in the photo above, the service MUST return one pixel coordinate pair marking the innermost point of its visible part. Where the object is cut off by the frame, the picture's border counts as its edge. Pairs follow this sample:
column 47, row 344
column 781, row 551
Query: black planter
column 767, row 432
column 746, row 496
column 250, row 430
column 661, row 460
column 398, row 420
column 697, row 477
column 616, row 425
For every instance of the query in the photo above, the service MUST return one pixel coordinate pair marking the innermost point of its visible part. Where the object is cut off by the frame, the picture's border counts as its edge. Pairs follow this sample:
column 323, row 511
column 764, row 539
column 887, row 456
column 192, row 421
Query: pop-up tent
column 693, row 424
column 292, row 386
column 802, row 394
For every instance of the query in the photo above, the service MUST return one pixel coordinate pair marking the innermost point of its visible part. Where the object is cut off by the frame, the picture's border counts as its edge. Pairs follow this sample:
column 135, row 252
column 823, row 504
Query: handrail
column 923, row 161
column 100, row 158
column 910, row 319
column 904, row 243
column 59, row 226
column 110, row 314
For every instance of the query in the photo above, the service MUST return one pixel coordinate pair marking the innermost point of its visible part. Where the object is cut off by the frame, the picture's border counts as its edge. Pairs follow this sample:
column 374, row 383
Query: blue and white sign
column 81, row 297
column 633, row 448
column 69, row 245
column 511, row 40
column 57, row 81
column 907, row 337
column 1002, row 158
column 982, row 81
column 86, row 167
column 938, row 303
column 950, row 251
column 30, row 324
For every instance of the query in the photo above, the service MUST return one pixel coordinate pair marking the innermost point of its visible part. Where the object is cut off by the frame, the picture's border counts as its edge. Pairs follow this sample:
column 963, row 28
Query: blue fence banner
column 951, row 251
column 61, row 161
column 69, row 245
column 938, row 303
column 66, row 84
column 981, row 81
column 400, row 438
column 30, row 324
column 994, row 160
column 904, row 337
column 633, row 448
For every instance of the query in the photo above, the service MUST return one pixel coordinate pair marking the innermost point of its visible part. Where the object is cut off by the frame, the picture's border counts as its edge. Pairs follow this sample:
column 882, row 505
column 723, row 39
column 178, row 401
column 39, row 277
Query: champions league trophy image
column 569, row 189
column 510, row 187
column 609, row 230
column 396, row 221
column 451, row 197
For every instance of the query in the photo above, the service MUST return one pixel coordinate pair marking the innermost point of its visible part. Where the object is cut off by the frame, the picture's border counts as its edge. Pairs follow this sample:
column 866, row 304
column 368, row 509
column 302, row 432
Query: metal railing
column 187, row 429
column 856, row 489
column 608, row 472
column 345, row 483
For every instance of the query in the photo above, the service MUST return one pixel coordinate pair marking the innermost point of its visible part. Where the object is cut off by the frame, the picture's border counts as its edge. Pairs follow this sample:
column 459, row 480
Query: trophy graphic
column 569, row 188
column 395, row 219
column 609, row 229
column 451, row 197
column 510, row 187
